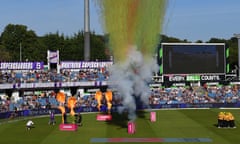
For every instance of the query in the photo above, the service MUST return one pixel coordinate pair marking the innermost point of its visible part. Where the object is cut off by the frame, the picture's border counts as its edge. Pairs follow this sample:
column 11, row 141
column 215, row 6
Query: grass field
column 172, row 126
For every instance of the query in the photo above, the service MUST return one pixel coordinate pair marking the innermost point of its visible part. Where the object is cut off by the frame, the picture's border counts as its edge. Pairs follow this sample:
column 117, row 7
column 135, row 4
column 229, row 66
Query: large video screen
column 193, row 58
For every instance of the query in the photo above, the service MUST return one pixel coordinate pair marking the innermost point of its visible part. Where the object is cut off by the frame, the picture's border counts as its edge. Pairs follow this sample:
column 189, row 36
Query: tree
column 20, row 43
column 98, row 50
column 73, row 49
column 11, row 38
column 233, row 53
column 5, row 55
column 232, row 44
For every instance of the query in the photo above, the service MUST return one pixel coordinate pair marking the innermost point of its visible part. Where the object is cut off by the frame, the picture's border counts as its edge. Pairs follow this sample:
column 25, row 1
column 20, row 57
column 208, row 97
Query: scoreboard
column 193, row 58
column 193, row 62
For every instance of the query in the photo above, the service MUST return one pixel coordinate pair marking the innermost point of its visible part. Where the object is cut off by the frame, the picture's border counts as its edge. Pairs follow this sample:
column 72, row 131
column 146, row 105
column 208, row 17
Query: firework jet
column 134, row 28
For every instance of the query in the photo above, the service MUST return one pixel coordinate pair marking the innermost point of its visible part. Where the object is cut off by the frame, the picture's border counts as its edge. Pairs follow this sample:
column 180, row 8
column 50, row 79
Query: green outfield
column 172, row 126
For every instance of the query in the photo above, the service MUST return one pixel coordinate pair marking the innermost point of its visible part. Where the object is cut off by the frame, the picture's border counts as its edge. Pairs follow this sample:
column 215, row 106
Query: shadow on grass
column 215, row 125
column 122, row 119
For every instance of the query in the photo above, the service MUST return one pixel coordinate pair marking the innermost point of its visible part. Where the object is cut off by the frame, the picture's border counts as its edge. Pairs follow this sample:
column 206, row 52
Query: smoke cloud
column 133, row 27
column 131, row 80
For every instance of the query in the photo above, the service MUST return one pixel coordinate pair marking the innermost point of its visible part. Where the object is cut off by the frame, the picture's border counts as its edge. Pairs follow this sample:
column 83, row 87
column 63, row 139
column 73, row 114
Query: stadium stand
column 159, row 96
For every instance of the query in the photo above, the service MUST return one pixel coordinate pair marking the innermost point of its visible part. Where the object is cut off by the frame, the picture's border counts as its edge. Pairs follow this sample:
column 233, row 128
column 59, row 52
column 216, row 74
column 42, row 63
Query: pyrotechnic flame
column 61, row 97
column 61, row 100
column 98, row 97
column 108, row 96
column 71, row 104
column 62, row 109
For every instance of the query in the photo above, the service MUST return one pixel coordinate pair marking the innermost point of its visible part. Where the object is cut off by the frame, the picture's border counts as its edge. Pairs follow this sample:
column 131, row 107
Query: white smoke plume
column 131, row 80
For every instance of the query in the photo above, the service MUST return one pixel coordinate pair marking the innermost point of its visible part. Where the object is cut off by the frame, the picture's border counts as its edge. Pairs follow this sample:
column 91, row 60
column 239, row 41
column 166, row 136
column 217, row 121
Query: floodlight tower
column 86, row 31
column 238, row 37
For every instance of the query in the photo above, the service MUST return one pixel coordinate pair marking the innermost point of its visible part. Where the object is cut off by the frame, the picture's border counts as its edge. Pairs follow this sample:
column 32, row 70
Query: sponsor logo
column 20, row 65
column 210, row 77
column 176, row 78
column 67, row 126
column 14, row 65
column 104, row 117
column 78, row 65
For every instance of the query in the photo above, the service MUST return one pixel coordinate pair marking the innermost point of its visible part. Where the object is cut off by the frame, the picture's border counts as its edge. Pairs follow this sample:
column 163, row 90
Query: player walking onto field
column 29, row 124
column 52, row 118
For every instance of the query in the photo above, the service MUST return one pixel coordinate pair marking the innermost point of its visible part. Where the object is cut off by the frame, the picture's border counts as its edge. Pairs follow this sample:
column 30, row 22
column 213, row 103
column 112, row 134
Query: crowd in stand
column 43, row 99
column 199, row 94
column 29, row 76
column 160, row 95
column 172, row 95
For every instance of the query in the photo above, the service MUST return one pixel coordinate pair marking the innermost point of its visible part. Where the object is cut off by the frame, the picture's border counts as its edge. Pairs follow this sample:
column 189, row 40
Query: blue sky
column 184, row 19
